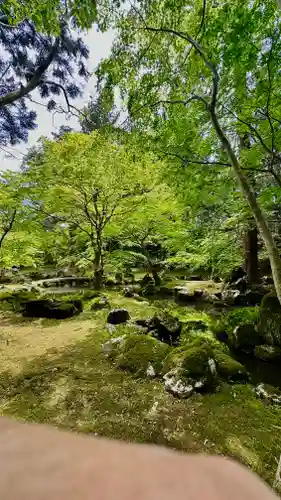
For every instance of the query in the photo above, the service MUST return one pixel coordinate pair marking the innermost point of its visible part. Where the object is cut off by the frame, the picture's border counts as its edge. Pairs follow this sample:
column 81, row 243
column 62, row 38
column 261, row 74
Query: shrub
column 242, row 315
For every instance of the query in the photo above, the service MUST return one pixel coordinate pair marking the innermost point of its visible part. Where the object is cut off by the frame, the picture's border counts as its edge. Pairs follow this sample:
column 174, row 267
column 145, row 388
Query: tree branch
column 62, row 219
column 176, row 101
column 268, row 102
column 35, row 80
column 8, row 228
column 200, row 51
column 199, row 162
column 4, row 21
column 252, row 128
column 69, row 106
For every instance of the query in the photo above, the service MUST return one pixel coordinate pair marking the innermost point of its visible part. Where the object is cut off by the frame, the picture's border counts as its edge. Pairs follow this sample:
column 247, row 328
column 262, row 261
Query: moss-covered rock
column 190, row 368
column 141, row 352
column 268, row 393
column 245, row 337
column 269, row 321
column 15, row 299
column 268, row 353
column 195, row 360
column 99, row 303
column 167, row 326
column 46, row 308
column 229, row 368
column 90, row 294
column 203, row 361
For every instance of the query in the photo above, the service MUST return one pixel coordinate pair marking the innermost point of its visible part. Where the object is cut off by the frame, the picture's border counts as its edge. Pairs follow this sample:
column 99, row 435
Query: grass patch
column 66, row 381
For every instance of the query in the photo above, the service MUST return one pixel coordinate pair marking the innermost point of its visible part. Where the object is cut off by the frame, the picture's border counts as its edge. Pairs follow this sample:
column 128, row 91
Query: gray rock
column 150, row 372
column 168, row 328
column 267, row 393
column 99, row 303
column 111, row 345
column 177, row 386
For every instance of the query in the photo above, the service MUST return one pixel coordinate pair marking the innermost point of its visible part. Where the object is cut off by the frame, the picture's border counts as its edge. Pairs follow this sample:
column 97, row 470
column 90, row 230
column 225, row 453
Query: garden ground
column 54, row 372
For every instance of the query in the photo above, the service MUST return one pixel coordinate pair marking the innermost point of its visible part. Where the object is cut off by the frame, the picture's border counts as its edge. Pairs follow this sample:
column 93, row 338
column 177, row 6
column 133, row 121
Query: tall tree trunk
column 258, row 214
column 251, row 263
column 98, row 263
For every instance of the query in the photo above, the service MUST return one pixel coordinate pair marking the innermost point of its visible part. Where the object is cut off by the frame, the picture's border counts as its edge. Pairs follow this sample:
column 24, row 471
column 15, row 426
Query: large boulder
column 190, row 369
column 244, row 297
column 245, row 337
column 162, row 326
column 131, row 290
column 199, row 366
column 269, row 322
column 117, row 316
column 46, row 308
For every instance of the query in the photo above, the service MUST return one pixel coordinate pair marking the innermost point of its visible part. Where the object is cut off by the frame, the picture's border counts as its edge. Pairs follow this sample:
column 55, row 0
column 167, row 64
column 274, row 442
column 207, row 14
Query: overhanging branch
column 34, row 81
column 200, row 51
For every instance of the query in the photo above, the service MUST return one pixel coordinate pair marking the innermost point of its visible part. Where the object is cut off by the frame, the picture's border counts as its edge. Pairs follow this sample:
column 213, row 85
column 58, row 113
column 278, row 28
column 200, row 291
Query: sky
column 99, row 45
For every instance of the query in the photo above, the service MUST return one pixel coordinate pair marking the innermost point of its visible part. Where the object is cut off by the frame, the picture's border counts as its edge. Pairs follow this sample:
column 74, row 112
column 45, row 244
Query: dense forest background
column 198, row 151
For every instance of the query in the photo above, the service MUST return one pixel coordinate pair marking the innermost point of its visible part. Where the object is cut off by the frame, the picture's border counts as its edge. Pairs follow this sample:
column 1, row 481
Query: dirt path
column 21, row 342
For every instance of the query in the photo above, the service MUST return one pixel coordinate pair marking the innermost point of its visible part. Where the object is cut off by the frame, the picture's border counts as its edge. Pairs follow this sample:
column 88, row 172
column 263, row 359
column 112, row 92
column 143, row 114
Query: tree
column 19, row 233
column 11, row 204
column 30, row 60
column 46, row 15
column 86, row 182
column 98, row 115
column 153, row 231
column 169, row 66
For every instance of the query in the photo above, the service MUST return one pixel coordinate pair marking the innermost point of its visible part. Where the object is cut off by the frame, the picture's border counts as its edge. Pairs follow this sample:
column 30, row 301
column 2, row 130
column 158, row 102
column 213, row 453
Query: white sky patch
column 99, row 45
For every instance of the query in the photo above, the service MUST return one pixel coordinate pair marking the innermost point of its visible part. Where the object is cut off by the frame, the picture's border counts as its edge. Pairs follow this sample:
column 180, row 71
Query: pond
column 260, row 371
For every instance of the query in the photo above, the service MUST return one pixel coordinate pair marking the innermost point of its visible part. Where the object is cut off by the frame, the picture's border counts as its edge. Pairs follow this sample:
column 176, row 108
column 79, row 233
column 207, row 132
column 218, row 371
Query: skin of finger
column 37, row 461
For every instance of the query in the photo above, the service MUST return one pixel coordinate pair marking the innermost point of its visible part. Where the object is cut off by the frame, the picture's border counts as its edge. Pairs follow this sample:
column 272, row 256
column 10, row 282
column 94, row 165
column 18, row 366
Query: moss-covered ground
column 54, row 372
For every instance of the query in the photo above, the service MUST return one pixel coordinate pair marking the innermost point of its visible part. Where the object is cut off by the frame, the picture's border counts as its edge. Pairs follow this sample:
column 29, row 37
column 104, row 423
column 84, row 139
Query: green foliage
column 93, row 190
column 141, row 351
column 47, row 14
column 166, row 85
column 241, row 315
